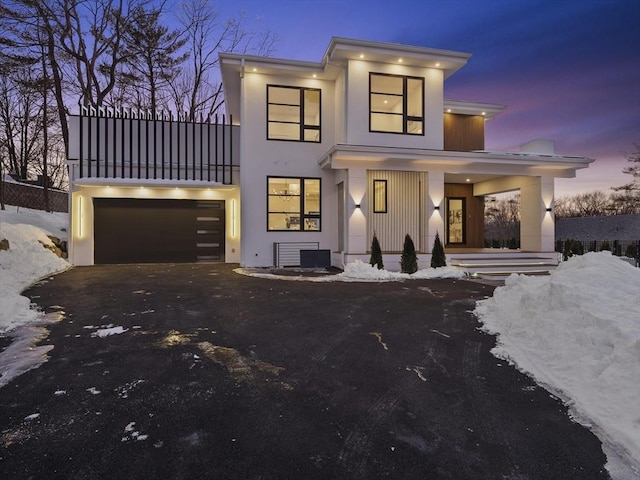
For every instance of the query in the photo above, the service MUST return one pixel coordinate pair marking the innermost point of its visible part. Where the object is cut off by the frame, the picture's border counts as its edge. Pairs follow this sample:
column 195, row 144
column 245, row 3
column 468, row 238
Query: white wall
column 262, row 158
column 357, row 126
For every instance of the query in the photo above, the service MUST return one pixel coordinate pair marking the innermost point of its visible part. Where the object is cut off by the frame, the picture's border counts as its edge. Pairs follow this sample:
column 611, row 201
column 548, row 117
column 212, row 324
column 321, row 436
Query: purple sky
column 567, row 70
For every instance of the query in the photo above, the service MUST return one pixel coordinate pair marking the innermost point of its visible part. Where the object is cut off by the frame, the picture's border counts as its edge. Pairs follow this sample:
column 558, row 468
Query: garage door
column 148, row 231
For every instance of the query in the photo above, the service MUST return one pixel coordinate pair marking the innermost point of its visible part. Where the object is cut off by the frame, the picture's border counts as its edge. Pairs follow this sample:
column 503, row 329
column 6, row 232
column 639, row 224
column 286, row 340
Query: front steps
column 499, row 264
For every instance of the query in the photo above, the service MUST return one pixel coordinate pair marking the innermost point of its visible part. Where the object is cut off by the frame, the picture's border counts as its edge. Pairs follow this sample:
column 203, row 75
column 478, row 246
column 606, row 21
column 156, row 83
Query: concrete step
column 499, row 267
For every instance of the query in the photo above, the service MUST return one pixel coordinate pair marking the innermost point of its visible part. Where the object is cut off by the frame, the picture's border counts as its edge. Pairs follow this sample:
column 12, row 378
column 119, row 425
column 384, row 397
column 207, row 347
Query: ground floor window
column 456, row 220
column 293, row 204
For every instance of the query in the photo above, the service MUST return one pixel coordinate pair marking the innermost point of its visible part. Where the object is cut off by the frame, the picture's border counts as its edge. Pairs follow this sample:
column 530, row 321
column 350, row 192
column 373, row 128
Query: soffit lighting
column 255, row 69
column 399, row 60
column 468, row 180
column 315, row 76
column 448, row 110
column 438, row 64
column 362, row 55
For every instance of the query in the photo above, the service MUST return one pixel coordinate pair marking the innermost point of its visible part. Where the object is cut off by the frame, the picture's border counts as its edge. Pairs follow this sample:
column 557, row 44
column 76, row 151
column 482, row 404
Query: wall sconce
column 436, row 207
column 549, row 209
column 357, row 205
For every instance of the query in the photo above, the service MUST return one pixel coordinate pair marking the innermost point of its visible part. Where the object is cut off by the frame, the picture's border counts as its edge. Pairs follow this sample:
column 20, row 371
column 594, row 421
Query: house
column 311, row 155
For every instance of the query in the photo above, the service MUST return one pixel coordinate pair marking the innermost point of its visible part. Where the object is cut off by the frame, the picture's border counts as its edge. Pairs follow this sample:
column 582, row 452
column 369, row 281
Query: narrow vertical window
column 379, row 196
column 293, row 113
column 456, row 220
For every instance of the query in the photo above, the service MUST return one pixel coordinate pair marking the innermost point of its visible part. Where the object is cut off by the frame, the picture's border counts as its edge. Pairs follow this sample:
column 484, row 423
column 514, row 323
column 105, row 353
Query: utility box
column 315, row 258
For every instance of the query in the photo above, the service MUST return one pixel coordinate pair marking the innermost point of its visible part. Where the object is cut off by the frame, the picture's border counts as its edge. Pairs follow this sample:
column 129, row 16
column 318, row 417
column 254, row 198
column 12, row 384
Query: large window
column 396, row 104
column 293, row 204
column 293, row 114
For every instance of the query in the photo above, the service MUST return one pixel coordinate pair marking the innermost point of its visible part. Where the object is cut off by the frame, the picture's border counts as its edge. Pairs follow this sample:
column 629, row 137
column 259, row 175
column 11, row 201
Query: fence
column 32, row 196
column 146, row 144
column 619, row 248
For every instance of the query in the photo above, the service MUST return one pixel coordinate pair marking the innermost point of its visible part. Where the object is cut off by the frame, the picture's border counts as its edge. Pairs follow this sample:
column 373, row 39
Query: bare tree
column 626, row 198
column 198, row 90
column 152, row 56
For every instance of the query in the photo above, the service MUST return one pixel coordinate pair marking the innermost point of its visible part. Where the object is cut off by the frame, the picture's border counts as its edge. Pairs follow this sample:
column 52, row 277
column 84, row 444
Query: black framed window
column 293, row 204
column 396, row 104
column 379, row 196
column 456, row 220
column 293, row 113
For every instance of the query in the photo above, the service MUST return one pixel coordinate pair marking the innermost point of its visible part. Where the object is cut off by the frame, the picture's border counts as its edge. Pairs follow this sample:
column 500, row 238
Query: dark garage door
column 148, row 231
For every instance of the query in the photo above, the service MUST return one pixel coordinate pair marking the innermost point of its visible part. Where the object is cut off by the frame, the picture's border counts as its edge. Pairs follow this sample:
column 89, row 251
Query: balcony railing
column 152, row 145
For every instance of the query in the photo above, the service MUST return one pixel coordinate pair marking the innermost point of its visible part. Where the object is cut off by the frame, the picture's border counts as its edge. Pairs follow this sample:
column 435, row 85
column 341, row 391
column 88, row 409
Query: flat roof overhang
column 458, row 166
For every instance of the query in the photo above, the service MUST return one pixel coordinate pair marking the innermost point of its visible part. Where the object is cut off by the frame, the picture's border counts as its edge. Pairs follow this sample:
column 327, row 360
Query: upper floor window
column 396, row 104
column 293, row 113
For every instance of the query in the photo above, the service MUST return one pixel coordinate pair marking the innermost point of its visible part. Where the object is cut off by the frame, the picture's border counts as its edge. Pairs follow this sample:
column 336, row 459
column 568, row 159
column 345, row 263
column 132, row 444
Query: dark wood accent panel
column 157, row 230
column 474, row 210
column 463, row 133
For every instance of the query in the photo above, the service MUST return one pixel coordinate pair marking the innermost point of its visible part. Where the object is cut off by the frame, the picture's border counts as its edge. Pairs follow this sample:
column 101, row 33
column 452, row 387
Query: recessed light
column 315, row 76
column 362, row 55
column 399, row 60
column 438, row 64
column 255, row 69
column 484, row 113
column 448, row 110
column 468, row 180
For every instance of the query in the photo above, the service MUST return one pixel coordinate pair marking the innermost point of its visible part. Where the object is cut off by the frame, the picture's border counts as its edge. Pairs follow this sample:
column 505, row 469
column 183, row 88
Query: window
column 379, row 196
column 456, row 213
column 396, row 104
column 293, row 204
column 293, row 114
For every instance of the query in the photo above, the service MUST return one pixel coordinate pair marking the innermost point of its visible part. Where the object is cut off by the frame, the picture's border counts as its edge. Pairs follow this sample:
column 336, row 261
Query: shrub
column 438, row 258
column 512, row 243
column 572, row 247
column 630, row 251
column 376, row 253
column 409, row 260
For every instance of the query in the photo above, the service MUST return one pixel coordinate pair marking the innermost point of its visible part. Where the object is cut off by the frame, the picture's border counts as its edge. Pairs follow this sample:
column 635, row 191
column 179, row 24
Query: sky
column 567, row 70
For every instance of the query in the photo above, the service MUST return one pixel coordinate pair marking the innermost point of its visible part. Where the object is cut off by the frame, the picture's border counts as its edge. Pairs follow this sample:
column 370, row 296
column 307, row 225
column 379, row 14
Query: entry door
column 456, row 224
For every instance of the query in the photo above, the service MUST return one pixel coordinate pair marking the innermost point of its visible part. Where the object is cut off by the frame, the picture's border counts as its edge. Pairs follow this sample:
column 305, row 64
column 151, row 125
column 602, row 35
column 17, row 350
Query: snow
column 26, row 261
column 360, row 271
column 107, row 332
column 577, row 332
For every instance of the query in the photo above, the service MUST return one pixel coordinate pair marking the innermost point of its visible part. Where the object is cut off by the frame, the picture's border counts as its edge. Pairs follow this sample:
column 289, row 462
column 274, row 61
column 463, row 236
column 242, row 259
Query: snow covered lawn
column 26, row 261
column 577, row 332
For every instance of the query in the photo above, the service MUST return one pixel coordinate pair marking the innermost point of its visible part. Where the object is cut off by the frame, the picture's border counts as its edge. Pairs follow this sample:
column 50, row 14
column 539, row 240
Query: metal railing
column 146, row 144
column 287, row 254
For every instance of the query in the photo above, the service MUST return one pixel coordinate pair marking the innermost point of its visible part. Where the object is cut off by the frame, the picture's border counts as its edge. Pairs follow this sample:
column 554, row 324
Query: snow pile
column 360, row 271
column 578, row 332
column 26, row 261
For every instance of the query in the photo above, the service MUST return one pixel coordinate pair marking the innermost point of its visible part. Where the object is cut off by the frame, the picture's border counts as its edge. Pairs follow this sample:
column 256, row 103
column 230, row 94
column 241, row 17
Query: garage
column 128, row 230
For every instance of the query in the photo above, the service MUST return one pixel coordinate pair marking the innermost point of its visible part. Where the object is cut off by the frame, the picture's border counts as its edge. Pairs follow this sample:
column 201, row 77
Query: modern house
column 311, row 155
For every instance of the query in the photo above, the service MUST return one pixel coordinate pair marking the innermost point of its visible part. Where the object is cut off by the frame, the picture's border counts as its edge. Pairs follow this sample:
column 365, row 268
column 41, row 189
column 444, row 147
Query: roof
column 338, row 53
column 612, row 227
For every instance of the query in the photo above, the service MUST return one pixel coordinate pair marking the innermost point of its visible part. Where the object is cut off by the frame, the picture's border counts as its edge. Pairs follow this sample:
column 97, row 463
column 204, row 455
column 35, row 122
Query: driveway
column 193, row 371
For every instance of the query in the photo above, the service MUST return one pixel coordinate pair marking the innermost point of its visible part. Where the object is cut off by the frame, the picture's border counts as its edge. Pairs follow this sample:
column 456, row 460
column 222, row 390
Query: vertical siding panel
column 403, row 209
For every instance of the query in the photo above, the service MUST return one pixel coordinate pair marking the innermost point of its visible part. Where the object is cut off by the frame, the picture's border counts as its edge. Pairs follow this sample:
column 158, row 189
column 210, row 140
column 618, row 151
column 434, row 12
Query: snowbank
column 578, row 332
column 359, row 271
column 26, row 261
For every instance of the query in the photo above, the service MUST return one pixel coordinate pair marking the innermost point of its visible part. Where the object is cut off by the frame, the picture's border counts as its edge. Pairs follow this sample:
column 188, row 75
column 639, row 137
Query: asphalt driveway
column 209, row 374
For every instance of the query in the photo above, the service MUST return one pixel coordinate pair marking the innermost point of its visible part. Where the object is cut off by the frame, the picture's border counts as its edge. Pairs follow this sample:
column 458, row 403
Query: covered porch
column 391, row 192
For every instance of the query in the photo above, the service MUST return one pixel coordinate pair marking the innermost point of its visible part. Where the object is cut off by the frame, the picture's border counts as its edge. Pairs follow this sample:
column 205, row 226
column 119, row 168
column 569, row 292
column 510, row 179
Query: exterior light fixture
column 357, row 205
column 436, row 207
column 438, row 64
column 549, row 209
column 315, row 76
column 362, row 55
column 399, row 60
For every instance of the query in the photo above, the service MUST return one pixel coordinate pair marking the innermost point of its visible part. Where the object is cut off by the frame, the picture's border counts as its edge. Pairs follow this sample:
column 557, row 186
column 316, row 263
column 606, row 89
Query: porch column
column 435, row 218
column 356, row 217
column 537, row 230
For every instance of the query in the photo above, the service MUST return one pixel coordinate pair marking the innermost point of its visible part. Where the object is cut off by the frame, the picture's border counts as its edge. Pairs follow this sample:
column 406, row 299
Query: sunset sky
column 568, row 71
